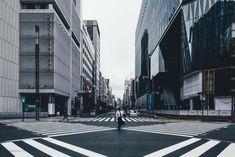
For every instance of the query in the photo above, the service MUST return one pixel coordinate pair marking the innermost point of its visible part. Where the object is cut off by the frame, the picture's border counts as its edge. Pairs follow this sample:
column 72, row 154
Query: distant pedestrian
column 75, row 112
column 119, row 118
column 65, row 116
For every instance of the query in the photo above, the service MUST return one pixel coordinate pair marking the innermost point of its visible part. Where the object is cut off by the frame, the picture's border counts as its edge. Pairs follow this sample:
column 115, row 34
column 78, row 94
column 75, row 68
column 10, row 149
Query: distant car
column 133, row 113
column 92, row 113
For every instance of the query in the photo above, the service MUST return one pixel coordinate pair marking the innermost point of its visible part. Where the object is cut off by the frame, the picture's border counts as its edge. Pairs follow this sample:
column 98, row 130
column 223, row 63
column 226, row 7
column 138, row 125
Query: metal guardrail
column 211, row 113
column 8, row 115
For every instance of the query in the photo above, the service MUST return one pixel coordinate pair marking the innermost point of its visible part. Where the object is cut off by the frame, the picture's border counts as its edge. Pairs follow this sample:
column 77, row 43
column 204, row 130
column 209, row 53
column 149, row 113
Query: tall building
column 94, row 33
column 53, row 29
column 88, row 58
column 9, row 58
column 185, row 54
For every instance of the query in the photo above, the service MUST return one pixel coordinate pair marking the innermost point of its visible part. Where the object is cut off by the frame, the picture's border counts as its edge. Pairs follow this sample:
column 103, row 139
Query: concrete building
column 9, row 58
column 94, row 33
column 88, row 59
column 54, row 26
column 183, row 50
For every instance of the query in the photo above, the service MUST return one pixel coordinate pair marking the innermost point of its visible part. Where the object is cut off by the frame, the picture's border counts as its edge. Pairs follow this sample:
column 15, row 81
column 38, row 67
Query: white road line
column 112, row 120
column 133, row 119
column 82, row 132
column 158, row 132
column 102, row 119
column 201, row 149
column 129, row 120
column 123, row 119
column 73, row 148
column 107, row 119
column 172, row 148
column 228, row 151
column 96, row 119
column 16, row 150
column 45, row 149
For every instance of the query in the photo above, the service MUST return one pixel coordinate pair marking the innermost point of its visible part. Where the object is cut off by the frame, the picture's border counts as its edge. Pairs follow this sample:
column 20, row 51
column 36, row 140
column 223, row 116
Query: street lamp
column 37, row 71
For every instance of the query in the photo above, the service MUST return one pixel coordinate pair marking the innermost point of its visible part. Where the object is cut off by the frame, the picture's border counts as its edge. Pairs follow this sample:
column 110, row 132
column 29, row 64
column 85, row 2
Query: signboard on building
column 192, row 85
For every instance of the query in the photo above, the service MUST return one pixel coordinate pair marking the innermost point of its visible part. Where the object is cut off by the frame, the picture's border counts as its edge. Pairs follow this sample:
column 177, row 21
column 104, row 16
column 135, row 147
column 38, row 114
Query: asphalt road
column 98, row 136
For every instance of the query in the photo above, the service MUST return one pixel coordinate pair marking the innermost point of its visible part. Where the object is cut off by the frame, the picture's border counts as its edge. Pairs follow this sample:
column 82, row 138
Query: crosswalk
column 47, row 147
column 206, row 148
column 53, row 129
column 180, row 128
column 113, row 119
column 39, row 144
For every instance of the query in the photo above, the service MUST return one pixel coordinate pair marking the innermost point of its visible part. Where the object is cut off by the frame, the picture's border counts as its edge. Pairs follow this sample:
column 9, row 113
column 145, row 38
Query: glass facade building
column 184, row 50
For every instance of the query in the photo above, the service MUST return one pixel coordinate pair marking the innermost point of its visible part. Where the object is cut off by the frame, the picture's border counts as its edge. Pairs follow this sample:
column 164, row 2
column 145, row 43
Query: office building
column 88, row 58
column 94, row 33
column 9, row 58
column 53, row 29
column 185, row 54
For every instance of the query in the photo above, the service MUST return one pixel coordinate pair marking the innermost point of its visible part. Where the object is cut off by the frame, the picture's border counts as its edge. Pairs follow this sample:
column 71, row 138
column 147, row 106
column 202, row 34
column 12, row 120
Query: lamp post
column 37, row 71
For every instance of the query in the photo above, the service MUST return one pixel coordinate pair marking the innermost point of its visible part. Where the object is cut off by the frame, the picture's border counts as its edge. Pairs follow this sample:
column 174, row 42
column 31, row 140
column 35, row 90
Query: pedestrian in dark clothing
column 119, row 118
column 65, row 116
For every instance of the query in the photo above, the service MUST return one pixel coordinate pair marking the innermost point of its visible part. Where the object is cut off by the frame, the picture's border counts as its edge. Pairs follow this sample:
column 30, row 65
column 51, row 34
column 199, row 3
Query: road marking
column 16, row 150
column 45, row 149
column 158, row 132
column 101, row 119
column 133, row 119
column 107, row 119
column 73, row 148
column 112, row 120
column 128, row 119
column 96, row 119
column 82, row 132
column 123, row 119
column 228, row 151
column 137, row 119
column 172, row 148
column 201, row 149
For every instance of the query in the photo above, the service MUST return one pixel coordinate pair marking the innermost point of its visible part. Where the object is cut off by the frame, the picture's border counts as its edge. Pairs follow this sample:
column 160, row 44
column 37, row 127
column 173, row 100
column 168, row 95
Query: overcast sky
column 117, row 21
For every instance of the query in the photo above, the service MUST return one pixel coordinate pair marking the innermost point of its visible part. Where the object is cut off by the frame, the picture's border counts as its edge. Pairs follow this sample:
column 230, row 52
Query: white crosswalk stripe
column 228, row 152
column 173, row 148
column 196, row 149
column 112, row 119
column 107, row 119
column 73, row 148
column 45, row 149
column 201, row 149
column 16, row 150
column 195, row 152
column 185, row 128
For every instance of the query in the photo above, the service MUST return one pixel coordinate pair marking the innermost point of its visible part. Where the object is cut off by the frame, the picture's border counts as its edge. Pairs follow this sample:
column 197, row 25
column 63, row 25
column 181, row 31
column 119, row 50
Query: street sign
column 23, row 99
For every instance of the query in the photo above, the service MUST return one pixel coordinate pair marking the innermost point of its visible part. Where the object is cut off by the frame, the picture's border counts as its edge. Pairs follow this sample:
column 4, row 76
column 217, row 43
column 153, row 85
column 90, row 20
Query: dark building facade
column 185, row 54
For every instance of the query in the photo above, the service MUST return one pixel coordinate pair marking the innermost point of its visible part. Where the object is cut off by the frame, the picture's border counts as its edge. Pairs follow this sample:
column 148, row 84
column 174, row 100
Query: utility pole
column 37, row 71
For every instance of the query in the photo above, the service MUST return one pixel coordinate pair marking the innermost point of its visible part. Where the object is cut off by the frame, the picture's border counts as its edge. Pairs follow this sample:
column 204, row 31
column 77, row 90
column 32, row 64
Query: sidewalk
column 29, row 120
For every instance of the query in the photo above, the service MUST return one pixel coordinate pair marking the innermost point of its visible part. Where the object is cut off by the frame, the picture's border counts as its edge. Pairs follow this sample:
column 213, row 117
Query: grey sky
column 117, row 22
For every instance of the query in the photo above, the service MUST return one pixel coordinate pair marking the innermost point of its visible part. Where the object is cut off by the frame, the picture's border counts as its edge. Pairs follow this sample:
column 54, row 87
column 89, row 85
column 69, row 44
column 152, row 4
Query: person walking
column 119, row 118
column 65, row 115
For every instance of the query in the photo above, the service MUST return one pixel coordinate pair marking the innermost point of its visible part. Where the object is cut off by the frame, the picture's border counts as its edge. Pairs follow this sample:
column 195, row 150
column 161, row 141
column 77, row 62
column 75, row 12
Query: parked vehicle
column 133, row 113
